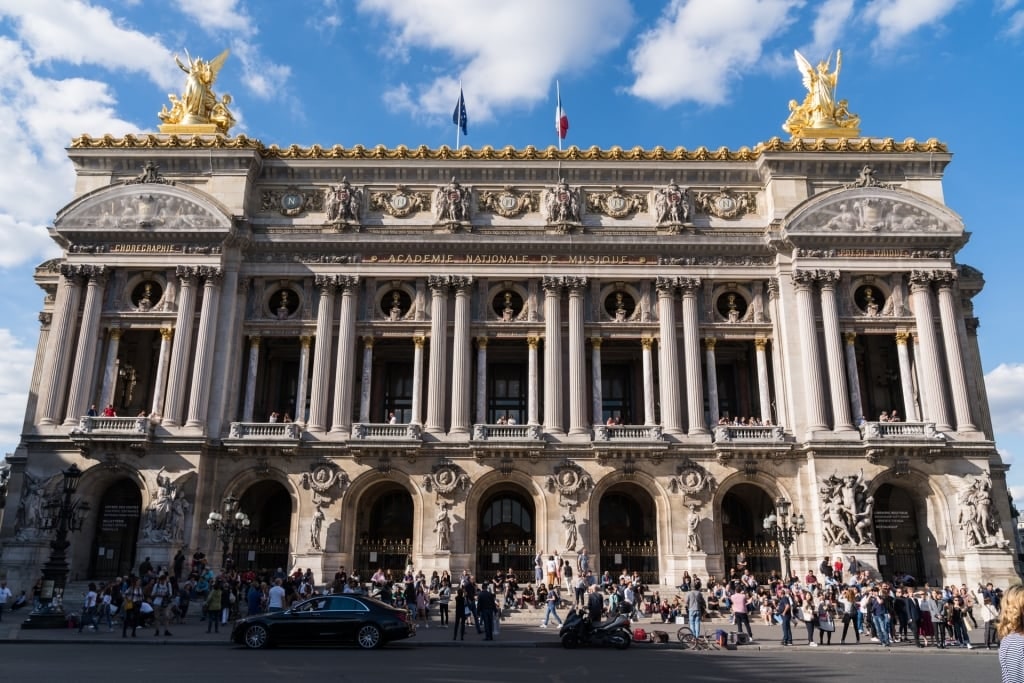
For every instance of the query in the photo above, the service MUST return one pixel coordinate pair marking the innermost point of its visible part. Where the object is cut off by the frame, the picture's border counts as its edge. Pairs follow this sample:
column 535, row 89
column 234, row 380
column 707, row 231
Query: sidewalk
column 520, row 629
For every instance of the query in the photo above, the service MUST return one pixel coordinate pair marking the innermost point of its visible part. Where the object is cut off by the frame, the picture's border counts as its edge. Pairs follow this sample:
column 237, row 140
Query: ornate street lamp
column 784, row 528
column 65, row 515
column 228, row 525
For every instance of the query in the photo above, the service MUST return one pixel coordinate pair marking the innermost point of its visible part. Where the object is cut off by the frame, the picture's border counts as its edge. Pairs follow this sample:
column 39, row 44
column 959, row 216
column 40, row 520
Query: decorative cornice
column 508, row 153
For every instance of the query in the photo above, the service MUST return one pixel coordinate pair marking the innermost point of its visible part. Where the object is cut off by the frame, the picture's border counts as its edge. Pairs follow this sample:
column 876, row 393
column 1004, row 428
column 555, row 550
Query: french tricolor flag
column 561, row 118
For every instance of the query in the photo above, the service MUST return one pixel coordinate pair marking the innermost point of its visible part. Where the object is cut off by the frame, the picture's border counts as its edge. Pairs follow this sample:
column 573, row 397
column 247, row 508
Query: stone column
column 481, row 380
column 668, row 356
column 833, row 352
column 712, row 371
column 814, row 400
column 302, row 389
column 417, row 379
column 56, row 362
column 906, row 377
column 954, row 354
column 437, row 380
column 318, row 397
column 597, row 397
column 691, row 352
column 365, row 384
column 853, row 376
column 929, row 361
column 553, row 355
column 344, row 370
column 650, row 419
column 532, row 381
column 461, row 364
column 198, row 405
column 181, row 351
column 250, row 379
column 577, row 360
column 778, row 376
column 764, row 395
column 83, row 372
column 163, row 365
column 110, row 366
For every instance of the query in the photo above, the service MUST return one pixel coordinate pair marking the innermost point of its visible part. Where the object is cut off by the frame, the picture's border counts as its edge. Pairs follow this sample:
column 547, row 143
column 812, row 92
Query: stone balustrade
column 922, row 431
column 129, row 426
column 265, row 431
column 373, row 431
column 496, row 432
column 749, row 433
column 628, row 433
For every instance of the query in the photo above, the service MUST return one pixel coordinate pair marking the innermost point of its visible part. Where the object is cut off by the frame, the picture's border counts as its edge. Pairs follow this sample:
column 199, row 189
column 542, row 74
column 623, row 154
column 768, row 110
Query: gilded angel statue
column 820, row 108
column 198, row 105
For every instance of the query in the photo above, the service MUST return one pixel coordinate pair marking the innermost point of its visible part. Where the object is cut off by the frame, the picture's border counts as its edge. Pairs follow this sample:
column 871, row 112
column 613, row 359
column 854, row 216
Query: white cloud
column 831, row 17
column 698, row 47
column 218, row 15
column 1015, row 26
column 264, row 78
column 14, row 384
column 77, row 33
column 507, row 54
column 897, row 19
column 328, row 20
column 1005, row 388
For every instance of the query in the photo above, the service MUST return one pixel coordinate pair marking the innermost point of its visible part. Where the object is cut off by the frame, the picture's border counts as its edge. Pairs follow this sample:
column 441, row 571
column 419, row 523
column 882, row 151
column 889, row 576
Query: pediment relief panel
column 143, row 207
column 872, row 210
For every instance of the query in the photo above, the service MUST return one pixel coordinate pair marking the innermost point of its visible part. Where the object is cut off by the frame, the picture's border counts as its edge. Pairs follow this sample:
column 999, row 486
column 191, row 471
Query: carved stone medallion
column 445, row 478
column 725, row 203
column 570, row 480
column 616, row 203
column 321, row 478
column 507, row 202
column 399, row 203
column 691, row 479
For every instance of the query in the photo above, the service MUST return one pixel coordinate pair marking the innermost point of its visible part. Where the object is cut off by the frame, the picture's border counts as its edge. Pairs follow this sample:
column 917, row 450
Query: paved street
column 153, row 664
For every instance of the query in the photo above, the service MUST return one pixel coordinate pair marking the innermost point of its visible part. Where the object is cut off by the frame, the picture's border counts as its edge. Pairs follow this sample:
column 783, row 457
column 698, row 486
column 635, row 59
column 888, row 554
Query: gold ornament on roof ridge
column 509, row 153
column 198, row 111
column 820, row 115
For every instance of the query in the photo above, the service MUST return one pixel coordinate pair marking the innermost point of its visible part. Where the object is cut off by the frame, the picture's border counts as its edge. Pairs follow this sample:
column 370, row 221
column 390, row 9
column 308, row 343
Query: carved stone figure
column 671, row 204
column 561, row 204
column 342, row 203
column 443, row 526
column 198, row 104
column 28, row 521
column 693, row 530
column 165, row 517
column 316, row 529
column 978, row 516
column 846, row 510
column 451, row 203
column 5, row 480
column 571, row 532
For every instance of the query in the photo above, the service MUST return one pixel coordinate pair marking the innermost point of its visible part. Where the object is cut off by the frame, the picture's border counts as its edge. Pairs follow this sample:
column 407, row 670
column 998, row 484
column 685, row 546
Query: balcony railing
column 373, row 431
column 749, row 433
column 126, row 426
column 628, row 433
column 265, row 431
column 488, row 432
column 921, row 431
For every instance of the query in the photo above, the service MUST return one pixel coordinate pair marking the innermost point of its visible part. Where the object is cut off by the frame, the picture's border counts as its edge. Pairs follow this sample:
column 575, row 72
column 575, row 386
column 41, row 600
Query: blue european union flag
column 459, row 115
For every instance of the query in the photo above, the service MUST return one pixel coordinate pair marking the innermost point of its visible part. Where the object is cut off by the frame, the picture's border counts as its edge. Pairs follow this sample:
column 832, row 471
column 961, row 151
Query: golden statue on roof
column 820, row 115
column 197, row 110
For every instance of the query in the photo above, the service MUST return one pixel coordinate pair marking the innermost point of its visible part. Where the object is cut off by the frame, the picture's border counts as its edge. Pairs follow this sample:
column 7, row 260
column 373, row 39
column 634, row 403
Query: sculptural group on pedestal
column 846, row 510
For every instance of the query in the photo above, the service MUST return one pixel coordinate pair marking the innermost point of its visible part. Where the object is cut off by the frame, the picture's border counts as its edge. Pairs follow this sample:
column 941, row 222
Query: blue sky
column 647, row 72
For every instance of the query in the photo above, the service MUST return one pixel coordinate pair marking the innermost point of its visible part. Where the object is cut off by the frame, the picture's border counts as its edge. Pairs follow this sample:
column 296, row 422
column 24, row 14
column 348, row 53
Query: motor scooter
column 579, row 631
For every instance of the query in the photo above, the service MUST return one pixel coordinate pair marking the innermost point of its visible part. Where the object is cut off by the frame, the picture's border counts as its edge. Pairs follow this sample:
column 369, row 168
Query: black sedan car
column 326, row 620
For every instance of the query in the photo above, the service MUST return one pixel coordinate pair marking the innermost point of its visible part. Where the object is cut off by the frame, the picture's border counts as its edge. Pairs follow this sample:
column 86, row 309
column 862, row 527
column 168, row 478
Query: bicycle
column 691, row 642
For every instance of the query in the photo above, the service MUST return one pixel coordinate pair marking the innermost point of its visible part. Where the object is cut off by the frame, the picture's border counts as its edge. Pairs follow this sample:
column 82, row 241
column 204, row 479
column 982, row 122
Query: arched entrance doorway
column 744, row 508
column 627, row 529
column 507, row 533
column 117, row 530
column 384, row 527
column 265, row 547
column 897, row 533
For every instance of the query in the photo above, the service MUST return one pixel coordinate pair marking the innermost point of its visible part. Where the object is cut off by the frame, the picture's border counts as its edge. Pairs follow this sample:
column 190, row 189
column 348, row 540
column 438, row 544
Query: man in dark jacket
column 487, row 608
column 595, row 605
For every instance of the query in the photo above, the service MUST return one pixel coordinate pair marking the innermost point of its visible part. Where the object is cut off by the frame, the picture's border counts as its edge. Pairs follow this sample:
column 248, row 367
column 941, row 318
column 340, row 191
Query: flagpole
column 558, row 99
column 458, row 127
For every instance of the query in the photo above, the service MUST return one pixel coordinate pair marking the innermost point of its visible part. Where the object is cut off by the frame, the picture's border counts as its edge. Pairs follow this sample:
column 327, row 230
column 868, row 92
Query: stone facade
column 461, row 358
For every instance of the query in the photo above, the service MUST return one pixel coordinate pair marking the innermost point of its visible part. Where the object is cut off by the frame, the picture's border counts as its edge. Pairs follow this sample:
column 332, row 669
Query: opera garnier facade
column 460, row 358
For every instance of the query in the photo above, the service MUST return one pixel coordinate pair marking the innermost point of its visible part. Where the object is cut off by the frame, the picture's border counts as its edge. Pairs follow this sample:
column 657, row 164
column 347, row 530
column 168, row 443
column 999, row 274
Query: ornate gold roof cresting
column 198, row 111
column 820, row 115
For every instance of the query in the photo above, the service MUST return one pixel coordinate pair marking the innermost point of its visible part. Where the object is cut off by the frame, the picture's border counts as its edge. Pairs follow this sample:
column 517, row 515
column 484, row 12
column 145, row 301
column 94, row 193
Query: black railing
column 382, row 553
column 260, row 553
column 633, row 556
column 762, row 558
column 515, row 555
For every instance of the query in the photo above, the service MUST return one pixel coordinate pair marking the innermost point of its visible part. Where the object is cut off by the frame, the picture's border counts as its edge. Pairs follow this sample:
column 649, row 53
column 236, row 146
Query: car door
column 349, row 615
column 300, row 624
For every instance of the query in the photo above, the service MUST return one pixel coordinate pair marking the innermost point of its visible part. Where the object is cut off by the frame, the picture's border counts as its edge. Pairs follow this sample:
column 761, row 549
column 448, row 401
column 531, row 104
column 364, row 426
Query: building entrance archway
column 744, row 508
column 628, row 536
column 897, row 533
column 507, row 533
column 117, row 530
column 265, row 547
column 384, row 531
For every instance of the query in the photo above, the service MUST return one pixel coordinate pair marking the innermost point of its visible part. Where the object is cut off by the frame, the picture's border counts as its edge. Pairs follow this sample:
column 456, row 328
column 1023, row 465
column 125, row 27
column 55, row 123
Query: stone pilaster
column 696, row 423
column 181, row 351
column 668, row 356
column 553, row 355
column 437, row 380
column 83, row 373
column 461, row 363
column 834, row 352
column 344, row 365
column 577, row 360
column 852, row 376
column 319, row 397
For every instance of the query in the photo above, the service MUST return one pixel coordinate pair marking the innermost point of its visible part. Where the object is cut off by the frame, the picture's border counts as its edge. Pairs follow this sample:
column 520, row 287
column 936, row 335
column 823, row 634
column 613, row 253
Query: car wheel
column 256, row 637
column 570, row 641
column 368, row 637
